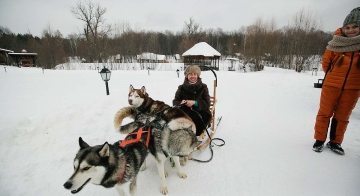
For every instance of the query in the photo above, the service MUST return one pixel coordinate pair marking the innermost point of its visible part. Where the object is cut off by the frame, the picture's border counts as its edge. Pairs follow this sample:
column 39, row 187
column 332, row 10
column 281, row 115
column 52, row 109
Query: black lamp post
column 105, row 75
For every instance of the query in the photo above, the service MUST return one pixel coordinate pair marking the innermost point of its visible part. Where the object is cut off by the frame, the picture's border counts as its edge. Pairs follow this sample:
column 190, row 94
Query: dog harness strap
column 141, row 130
column 122, row 173
column 165, row 153
column 148, row 137
column 158, row 112
column 138, row 137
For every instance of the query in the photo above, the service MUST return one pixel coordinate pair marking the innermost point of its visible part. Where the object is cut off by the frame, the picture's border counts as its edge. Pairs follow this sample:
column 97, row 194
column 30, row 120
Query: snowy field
column 268, row 120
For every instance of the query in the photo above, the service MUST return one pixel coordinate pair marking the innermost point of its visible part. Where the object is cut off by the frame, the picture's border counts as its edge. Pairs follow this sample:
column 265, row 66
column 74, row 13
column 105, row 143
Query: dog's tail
column 121, row 114
column 128, row 128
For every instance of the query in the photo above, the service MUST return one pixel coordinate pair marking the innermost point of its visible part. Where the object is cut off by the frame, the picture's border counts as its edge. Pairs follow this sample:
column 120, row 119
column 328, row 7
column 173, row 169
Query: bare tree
column 304, row 25
column 51, row 52
column 95, row 29
column 192, row 34
column 192, row 28
column 256, row 44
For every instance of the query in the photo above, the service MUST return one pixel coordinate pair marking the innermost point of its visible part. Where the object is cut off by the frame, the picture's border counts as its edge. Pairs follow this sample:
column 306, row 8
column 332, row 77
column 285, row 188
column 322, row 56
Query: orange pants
column 337, row 104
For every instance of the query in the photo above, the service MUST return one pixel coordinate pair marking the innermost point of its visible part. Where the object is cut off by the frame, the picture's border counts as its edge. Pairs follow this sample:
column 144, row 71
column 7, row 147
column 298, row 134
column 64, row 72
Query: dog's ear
column 131, row 88
column 189, row 129
column 105, row 151
column 82, row 144
column 143, row 90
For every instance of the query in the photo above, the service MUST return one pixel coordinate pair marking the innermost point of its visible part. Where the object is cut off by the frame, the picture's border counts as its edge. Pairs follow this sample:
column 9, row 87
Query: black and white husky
column 107, row 165
column 174, row 135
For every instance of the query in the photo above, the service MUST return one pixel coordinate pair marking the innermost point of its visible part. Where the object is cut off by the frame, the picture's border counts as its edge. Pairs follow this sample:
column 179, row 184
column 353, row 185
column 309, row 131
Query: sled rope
column 207, row 132
column 153, row 122
column 212, row 143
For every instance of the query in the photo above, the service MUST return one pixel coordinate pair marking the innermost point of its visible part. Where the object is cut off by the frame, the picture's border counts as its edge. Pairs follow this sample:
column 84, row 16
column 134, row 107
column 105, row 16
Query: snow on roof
column 1, row 49
column 151, row 56
column 22, row 53
column 232, row 59
column 201, row 49
column 160, row 57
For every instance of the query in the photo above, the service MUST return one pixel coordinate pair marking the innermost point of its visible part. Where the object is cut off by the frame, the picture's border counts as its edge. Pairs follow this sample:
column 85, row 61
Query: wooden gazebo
column 202, row 54
column 24, row 58
column 4, row 57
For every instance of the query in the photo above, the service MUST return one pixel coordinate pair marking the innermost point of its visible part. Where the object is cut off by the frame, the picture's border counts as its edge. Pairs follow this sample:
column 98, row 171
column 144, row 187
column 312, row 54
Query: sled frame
column 212, row 108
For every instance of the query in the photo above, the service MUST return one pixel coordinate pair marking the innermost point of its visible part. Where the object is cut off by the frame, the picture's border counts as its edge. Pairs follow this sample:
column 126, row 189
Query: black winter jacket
column 198, row 92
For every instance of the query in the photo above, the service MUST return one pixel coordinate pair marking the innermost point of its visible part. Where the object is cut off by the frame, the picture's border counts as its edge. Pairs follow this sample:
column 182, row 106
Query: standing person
column 194, row 99
column 341, row 85
column 178, row 72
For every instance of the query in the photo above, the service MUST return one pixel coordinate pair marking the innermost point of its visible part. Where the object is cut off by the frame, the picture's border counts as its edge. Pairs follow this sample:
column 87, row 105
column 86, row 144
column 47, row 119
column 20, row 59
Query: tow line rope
column 211, row 145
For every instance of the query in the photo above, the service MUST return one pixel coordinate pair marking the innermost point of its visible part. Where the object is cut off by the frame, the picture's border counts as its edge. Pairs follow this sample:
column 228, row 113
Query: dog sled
column 207, row 137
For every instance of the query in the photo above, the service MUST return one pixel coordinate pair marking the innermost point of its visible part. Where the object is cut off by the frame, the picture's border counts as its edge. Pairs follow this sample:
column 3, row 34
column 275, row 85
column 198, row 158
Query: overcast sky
column 23, row 16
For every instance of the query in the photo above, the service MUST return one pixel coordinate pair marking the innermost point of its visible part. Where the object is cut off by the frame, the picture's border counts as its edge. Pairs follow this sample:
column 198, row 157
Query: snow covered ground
column 268, row 120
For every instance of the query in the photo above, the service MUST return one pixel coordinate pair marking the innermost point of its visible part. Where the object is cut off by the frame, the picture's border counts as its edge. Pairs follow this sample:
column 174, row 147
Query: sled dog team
column 174, row 130
column 110, row 165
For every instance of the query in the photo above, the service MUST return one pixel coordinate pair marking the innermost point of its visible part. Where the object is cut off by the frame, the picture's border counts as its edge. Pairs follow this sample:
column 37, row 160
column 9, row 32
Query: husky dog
column 175, row 138
column 107, row 165
column 164, row 143
column 140, row 102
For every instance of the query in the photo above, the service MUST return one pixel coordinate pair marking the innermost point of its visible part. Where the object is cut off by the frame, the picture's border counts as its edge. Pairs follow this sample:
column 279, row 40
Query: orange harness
column 125, row 142
column 141, row 130
column 122, row 173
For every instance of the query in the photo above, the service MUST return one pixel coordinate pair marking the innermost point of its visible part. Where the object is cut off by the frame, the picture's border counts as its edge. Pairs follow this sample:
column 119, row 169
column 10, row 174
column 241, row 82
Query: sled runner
column 213, row 123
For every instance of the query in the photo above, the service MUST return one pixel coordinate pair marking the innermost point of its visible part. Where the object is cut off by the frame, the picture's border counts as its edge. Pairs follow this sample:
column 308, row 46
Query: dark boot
column 318, row 146
column 336, row 148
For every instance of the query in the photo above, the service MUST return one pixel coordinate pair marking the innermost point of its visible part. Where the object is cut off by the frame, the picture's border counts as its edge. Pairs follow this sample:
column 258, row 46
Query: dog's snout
column 68, row 184
column 130, row 101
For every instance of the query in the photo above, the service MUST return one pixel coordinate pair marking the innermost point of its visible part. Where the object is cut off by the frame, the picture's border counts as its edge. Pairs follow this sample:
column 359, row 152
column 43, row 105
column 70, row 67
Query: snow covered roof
column 22, row 53
column 151, row 56
column 232, row 59
column 177, row 56
column 201, row 49
column 1, row 49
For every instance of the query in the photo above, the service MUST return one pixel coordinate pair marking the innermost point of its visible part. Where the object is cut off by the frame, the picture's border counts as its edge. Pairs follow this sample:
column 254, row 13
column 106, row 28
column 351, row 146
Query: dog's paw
column 183, row 161
column 143, row 167
column 182, row 175
column 164, row 190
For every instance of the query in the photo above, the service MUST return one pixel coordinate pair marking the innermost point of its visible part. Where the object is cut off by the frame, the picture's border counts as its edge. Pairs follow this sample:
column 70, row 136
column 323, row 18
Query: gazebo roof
column 2, row 49
column 202, row 49
column 23, row 54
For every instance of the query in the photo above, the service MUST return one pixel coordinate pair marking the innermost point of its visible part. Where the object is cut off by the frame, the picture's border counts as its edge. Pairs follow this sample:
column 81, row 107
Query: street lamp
column 105, row 75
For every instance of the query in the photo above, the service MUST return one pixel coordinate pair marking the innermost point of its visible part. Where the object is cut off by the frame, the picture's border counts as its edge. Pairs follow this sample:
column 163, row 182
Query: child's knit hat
column 353, row 17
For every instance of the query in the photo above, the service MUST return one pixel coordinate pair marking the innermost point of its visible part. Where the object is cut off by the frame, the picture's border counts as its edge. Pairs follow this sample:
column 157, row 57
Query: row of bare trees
column 290, row 47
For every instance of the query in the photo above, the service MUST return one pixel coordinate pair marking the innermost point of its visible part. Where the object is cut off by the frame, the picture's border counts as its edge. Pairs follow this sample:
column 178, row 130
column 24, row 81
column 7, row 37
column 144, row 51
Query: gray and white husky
column 107, row 165
column 173, row 133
